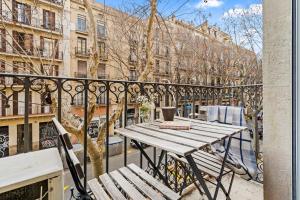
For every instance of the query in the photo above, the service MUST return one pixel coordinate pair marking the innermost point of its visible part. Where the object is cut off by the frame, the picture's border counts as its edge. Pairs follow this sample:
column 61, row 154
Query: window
column 48, row 19
column 23, row 43
column 81, row 23
column 50, row 70
column 133, row 55
column 82, row 69
column 21, row 12
column 156, row 48
column 101, row 71
column 102, row 50
column 101, row 30
column 132, row 75
column 48, row 47
column 81, row 45
column 2, row 70
column 22, row 67
column 167, row 68
column 167, row 51
column 157, row 66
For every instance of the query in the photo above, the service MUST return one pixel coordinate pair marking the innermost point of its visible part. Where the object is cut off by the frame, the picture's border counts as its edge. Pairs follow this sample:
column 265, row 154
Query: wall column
column 277, row 102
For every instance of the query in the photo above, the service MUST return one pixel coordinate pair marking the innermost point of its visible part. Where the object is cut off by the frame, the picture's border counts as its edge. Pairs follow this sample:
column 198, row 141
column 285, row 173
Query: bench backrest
column 72, row 160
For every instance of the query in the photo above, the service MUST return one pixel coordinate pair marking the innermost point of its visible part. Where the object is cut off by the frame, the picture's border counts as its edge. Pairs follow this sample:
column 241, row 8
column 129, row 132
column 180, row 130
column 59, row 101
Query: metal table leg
column 161, row 156
column 198, row 175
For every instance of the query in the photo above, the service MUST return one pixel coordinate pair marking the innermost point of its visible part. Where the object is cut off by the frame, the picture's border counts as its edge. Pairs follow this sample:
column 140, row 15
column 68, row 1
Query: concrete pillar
column 277, row 94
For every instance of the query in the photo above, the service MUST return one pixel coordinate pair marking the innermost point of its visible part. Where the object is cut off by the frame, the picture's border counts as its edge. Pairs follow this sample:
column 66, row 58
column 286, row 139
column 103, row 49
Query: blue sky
column 186, row 9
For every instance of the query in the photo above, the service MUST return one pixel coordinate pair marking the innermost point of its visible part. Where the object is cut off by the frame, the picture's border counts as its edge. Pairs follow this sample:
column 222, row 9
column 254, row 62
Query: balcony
column 56, row 3
column 188, row 95
column 133, row 78
column 103, row 56
column 35, row 53
column 101, row 36
column 80, row 75
column 82, row 52
column 36, row 23
column 103, row 76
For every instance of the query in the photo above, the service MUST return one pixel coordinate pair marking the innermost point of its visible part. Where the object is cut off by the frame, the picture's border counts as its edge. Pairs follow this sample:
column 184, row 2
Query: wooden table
column 182, row 143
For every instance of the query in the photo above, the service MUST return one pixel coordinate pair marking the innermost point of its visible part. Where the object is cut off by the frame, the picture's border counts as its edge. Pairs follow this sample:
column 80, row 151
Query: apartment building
column 54, row 38
column 182, row 52
column 31, row 43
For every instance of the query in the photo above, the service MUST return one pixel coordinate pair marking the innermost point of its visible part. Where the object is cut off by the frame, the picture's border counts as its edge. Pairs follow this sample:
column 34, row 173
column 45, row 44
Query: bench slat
column 209, row 165
column 111, row 188
column 200, row 167
column 140, row 184
column 155, row 183
column 97, row 190
column 127, row 187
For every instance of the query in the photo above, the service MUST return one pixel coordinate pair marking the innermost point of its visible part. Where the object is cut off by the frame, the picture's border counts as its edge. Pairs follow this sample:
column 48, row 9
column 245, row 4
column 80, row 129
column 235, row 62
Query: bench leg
column 198, row 175
column 219, row 179
column 187, row 174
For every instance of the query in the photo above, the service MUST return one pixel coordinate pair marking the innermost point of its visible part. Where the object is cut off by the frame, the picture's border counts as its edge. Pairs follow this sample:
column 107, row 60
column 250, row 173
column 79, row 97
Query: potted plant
column 169, row 111
column 145, row 108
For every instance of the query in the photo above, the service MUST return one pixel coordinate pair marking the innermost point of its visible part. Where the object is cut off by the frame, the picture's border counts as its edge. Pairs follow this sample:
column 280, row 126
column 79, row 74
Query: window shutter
column 44, row 19
column 3, row 39
column 28, row 43
column 52, row 20
column 3, row 103
column 56, row 49
column 41, row 50
column 15, row 41
column 28, row 14
column 14, row 10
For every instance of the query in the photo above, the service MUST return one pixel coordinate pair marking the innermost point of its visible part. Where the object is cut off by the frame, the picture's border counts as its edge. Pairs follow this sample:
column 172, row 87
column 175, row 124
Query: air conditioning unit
column 34, row 175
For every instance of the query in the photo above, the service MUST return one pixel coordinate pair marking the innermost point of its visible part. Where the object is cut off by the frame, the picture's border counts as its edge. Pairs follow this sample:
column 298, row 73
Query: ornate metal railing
column 62, row 93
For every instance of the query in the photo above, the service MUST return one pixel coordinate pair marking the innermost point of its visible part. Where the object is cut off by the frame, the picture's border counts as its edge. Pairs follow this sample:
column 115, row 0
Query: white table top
column 29, row 167
column 180, row 142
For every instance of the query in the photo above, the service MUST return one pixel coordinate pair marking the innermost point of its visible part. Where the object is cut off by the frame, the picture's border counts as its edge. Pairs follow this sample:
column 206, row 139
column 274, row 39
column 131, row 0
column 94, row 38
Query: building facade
column 53, row 38
column 31, row 43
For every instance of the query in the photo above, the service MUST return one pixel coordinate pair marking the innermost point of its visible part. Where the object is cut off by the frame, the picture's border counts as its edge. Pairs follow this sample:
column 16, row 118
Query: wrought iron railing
column 62, row 92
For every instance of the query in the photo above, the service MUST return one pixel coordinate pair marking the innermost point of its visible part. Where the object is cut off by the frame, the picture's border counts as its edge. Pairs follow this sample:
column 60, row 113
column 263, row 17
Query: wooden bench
column 130, row 182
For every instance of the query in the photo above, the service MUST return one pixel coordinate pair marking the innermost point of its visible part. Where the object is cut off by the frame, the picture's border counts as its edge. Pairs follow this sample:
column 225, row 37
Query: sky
column 186, row 9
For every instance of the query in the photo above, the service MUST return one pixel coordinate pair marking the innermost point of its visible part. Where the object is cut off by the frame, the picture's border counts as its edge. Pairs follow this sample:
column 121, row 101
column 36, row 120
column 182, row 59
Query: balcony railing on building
column 34, row 22
column 32, row 51
column 57, row 2
column 80, row 75
column 82, row 52
column 103, row 56
column 103, row 76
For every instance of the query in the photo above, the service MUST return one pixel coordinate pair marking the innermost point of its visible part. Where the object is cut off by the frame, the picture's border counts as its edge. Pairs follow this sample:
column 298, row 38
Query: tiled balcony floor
column 241, row 190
